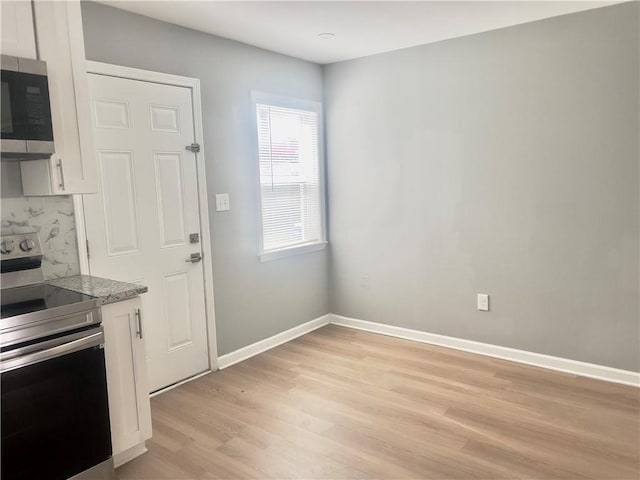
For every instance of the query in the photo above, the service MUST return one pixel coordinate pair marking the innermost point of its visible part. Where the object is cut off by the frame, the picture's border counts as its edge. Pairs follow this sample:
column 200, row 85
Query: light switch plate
column 222, row 202
column 483, row 302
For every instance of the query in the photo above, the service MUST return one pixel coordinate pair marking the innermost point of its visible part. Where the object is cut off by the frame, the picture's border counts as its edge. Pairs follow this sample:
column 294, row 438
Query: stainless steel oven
column 27, row 130
column 54, row 407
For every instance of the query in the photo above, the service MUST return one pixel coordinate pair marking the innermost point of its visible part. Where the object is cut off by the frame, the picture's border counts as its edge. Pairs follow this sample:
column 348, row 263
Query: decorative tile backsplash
column 52, row 218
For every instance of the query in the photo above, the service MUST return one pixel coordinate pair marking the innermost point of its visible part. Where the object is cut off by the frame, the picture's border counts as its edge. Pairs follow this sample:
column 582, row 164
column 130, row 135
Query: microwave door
column 7, row 118
column 13, row 139
column 27, row 131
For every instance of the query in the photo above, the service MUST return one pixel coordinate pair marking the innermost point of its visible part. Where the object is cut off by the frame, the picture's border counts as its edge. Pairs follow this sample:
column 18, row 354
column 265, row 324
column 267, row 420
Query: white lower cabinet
column 129, row 406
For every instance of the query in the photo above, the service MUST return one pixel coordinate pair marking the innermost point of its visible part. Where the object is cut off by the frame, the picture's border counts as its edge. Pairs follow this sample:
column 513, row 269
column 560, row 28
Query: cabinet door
column 17, row 36
column 61, row 45
column 129, row 407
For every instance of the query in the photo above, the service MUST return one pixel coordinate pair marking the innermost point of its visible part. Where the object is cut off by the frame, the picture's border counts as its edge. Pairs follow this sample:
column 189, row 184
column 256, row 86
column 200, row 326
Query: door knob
column 194, row 258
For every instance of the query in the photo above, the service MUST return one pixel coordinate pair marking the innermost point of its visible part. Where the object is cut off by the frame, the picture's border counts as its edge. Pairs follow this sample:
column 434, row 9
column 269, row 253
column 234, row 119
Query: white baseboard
column 566, row 365
column 521, row 356
column 129, row 454
column 268, row 343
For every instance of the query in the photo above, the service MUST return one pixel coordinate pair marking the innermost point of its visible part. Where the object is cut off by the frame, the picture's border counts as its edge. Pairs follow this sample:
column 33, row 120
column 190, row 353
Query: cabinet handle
column 138, row 323
column 61, row 171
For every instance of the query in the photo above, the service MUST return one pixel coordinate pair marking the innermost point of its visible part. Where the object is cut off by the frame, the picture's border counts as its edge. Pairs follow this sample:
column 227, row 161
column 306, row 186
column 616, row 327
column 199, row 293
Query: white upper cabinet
column 17, row 36
column 60, row 43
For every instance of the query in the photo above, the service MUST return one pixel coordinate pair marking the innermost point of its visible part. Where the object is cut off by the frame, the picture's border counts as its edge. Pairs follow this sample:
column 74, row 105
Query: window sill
column 291, row 251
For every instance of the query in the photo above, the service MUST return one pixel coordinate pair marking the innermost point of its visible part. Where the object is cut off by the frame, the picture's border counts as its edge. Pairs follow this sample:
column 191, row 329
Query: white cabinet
column 17, row 36
column 129, row 406
column 60, row 43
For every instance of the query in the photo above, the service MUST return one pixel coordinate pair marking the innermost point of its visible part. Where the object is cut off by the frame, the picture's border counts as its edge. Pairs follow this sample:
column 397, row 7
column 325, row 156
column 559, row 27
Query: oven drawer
column 55, row 417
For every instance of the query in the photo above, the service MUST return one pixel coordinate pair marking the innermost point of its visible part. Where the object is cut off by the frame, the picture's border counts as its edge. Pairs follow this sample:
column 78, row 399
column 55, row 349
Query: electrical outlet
column 364, row 281
column 483, row 302
column 222, row 202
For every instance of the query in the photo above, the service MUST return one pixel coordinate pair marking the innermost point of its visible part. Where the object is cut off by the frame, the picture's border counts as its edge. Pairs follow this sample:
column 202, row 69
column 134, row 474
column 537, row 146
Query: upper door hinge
column 194, row 147
column 88, row 255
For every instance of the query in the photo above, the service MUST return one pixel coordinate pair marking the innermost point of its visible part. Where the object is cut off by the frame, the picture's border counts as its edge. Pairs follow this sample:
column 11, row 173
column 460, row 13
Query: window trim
column 300, row 104
column 292, row 250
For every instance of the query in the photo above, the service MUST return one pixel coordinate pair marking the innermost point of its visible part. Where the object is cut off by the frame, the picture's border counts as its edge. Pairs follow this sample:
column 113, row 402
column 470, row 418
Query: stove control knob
column 6, row 246
column 27, row 245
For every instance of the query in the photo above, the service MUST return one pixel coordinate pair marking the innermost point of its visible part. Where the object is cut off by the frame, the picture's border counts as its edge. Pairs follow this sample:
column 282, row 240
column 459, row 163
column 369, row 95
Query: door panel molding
column 177, row 299
column 170, row 191
column 121, row 164
column 193, row 84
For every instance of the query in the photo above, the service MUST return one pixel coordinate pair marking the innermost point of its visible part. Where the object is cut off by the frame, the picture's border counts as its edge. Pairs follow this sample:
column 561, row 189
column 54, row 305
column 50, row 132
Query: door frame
column 193, row 84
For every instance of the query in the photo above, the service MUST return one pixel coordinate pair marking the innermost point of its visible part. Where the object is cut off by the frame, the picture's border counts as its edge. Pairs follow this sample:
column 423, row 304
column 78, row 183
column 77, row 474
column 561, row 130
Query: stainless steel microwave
column 27, row 131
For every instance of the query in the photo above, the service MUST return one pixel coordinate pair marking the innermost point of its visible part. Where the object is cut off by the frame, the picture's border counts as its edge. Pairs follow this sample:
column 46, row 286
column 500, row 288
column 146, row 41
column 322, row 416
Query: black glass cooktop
column 32, row 298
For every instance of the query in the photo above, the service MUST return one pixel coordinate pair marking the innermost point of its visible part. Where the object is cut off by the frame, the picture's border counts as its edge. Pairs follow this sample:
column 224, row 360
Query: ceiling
column 360, row 28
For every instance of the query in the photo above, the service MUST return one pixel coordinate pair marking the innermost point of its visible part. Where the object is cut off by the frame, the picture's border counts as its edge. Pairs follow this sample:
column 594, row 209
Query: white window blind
column 289, row 176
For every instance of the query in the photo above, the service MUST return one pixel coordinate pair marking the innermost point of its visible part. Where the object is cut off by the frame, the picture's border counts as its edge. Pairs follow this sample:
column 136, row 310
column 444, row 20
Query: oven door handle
column 63, row 347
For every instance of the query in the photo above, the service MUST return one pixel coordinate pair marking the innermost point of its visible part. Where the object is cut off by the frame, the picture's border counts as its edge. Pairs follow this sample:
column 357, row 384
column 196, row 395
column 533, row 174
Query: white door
column 142, row 224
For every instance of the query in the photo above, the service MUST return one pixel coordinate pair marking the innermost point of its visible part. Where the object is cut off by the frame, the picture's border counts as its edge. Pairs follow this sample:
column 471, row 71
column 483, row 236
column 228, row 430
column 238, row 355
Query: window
column 291, row 188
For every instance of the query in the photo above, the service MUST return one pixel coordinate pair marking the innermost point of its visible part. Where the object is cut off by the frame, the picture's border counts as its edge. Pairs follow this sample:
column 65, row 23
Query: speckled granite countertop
column 105, row 290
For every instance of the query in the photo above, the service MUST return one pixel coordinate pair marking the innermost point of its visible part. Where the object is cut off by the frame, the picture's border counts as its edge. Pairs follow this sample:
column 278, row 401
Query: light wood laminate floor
column 345, row 404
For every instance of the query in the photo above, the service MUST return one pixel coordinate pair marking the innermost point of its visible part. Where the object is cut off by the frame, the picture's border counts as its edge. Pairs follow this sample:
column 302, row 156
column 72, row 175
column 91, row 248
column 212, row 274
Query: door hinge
column 194, row 147
column 87, row 241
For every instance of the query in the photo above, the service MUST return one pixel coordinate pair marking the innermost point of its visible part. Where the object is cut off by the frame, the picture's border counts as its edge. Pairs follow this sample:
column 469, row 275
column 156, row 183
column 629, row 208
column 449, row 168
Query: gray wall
column 502, row 163
column 253, row 300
